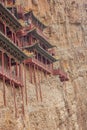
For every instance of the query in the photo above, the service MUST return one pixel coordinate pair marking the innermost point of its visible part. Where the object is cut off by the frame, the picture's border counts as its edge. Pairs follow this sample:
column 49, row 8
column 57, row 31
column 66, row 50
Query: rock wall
column 64, row 105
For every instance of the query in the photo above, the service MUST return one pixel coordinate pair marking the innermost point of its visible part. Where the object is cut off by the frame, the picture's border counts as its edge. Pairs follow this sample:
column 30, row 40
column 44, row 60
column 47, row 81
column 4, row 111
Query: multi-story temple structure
column 11, row 56
column 18, row 42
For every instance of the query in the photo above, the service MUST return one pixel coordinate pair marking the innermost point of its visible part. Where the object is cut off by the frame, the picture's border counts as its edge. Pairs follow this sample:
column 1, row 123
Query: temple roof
column 9, row 18
column 40, row 36
column 11, row 48
column 41, row 51
column 31, row 14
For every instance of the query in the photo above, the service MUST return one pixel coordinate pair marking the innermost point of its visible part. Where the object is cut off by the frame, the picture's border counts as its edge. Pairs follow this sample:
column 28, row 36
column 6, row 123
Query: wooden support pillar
column 35, row 82
column 4, row 91
column 3, row 62
column 10, row 65
column 21, row 74
column 15, row 38
column 25, row 82
column 49, row 65
column 30, row 69
column 46, row 68
column 23, row 111
column 42, row 69
column 51, row 69
column 40, row 91
column 10, row 69
column 41, row 59
column 45, row 72
column 30, row 39
column 41, row 75
column 22, row 94
column 14, row 94
column 46, row 63
column 5, row 31
column 12, row 36
column 17, row 70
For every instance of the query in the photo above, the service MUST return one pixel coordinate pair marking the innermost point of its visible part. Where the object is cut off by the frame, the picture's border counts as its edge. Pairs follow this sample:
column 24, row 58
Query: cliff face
column 64, row 105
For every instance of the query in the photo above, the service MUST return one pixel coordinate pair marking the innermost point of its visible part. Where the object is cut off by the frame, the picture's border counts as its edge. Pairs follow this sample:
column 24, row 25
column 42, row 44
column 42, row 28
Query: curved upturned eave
column 41, row 51
column 11, row 18
column 37, row 34
column 30, row 13
column 11, row 48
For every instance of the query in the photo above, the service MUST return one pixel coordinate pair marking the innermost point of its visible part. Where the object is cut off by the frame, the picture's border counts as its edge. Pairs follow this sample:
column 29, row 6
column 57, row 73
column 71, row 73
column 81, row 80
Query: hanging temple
column 24, row 45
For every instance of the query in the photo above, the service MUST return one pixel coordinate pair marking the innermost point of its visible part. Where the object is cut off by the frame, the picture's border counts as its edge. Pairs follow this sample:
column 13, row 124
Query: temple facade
column 24, row 46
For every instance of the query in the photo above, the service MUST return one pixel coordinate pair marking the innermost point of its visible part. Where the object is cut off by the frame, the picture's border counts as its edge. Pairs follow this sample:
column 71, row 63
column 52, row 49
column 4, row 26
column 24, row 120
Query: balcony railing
column 62, row 75
column 11, row 77
column 14, row 40
column 40, row 64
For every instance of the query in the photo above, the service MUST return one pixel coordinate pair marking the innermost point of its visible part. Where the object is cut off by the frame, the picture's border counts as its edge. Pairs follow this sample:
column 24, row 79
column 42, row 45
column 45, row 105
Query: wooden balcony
column 47, row 68
column 10, row 77
column 62, row 75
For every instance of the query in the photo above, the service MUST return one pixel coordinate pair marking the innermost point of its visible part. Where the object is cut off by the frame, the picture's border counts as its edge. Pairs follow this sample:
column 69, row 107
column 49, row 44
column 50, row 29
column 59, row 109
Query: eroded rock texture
column 64, row 105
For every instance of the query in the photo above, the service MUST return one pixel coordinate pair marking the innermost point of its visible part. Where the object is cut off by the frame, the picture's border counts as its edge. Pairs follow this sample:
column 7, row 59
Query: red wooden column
column 25, row 81
column 23, row 111
column 40, row 91
column 42, row 69
column 30, row 70
column 10, row 65
column 17, row 70
column 4, row 91
column 50, row 66
column 41, row 75
column 30, row 39
column 5, row 29
column 15, row 105
column 46, row 68
column 20, row 74
column 12, row 36
column 35, row 82
column 2, row 61
column 22, row 93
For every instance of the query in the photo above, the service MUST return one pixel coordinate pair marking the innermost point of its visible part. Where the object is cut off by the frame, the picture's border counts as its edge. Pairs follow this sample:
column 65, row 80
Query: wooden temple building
column 11, row 56
column 17, row 42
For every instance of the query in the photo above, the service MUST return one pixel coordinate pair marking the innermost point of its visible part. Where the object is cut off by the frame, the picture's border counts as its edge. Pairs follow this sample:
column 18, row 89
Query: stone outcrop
column 64, row 105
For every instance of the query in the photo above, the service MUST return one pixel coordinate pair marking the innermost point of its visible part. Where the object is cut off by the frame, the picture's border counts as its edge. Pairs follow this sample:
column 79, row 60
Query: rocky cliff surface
column 64, row 105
